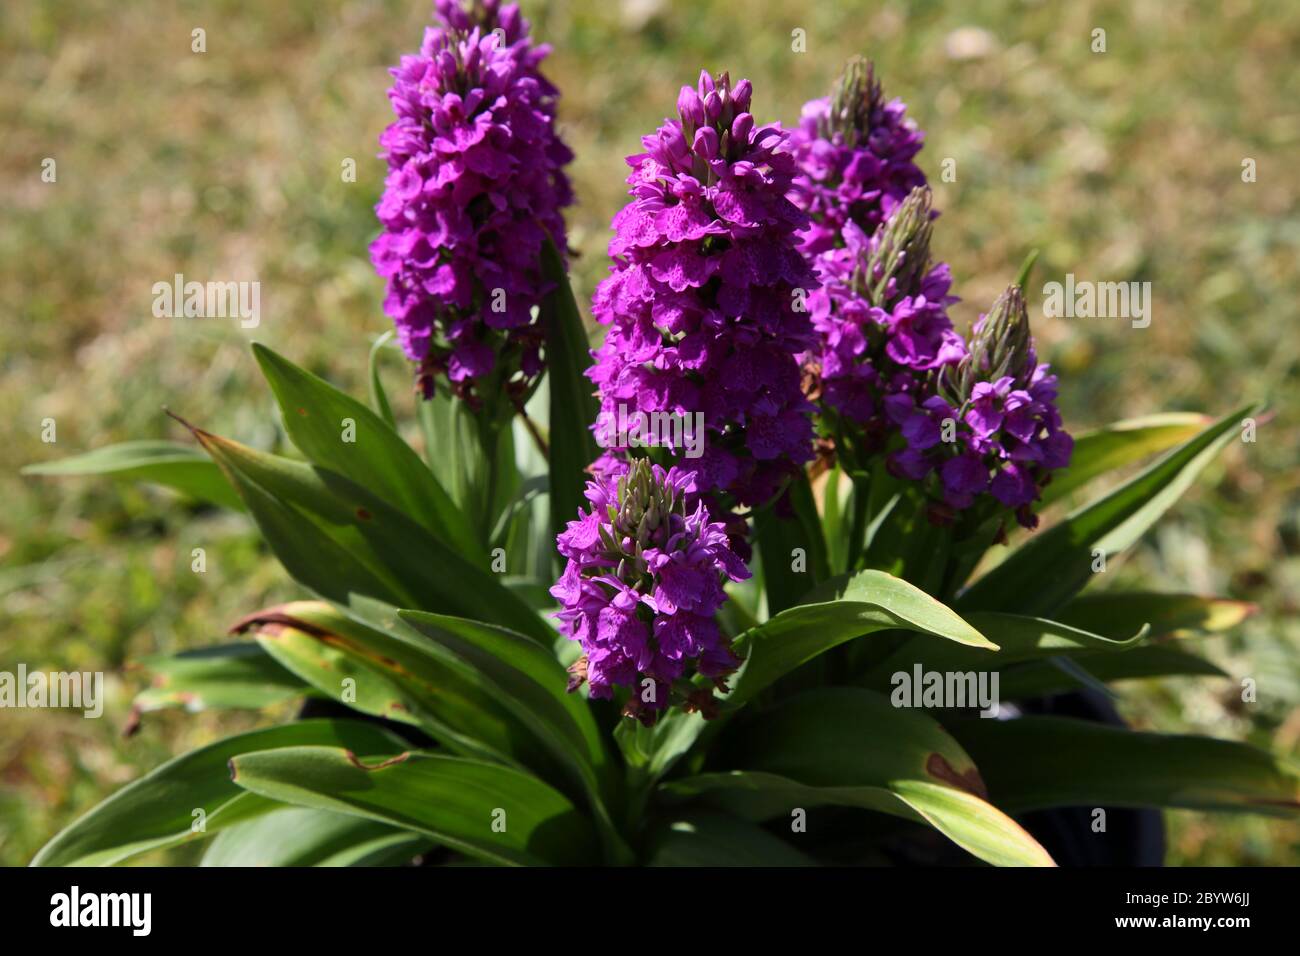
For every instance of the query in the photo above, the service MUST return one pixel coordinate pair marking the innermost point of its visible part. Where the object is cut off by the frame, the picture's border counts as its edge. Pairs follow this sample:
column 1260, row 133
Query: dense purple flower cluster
column 855, row 156
column 888, row 361
column 475, row 183
column 706, row 296
column 991, row 425
column 642, row 585
column 881, row 317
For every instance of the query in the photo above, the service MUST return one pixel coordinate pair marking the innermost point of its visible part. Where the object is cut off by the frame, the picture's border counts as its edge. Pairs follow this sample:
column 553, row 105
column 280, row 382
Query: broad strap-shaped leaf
column 238, row 675
column 317, row 415
column 325, row 558
column 708, row 838
column 968, row 819
column 869, row 602
column 850, row 747
column 1112, row 612
column 1040, row 678
column 397, row 673
column 376, row 551
column 1054, row 565
column 378, row 396
column 1122, row 443
column 158, row 810
column 899, row 536
column 175, row 466
column 1019, row 638
column 572, row 404
column 297, row 836
column 836, row 509
column 532, row 683
column 1035, row 762
column 451, row 447
column 488, row 811
column 785, row 541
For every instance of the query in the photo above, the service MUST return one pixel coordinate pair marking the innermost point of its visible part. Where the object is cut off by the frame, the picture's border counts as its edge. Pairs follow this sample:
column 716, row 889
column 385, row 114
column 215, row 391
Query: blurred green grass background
column 1123, row 165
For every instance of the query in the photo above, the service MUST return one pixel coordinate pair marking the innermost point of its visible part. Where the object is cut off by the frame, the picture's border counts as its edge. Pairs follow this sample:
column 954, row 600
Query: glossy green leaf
column 488, row 811
column 1040, row 679
column 869, row 602
column 397, row 674
column 451, row 448
column 1054, row 565
column 851, row 747
column 1035, row 762
column 175, row 466
column 532, row 683
column 1019, row 639
column 330, row 564
column 782, row 541
column 238, row 675
column 158, row 810
column 379, row 397
column 377, row 459
column 1111, row 612
column 573, row 407
column 297, row 836
column 1123, row 443
column 374, row 550
column 706, row 838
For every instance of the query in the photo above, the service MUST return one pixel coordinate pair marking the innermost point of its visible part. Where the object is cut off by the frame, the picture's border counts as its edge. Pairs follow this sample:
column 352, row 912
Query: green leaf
column 1019, row 639
column 573, row 407
column 1111, row 612
column 400, row 682
column 835, row 508
column 378, row 397
column 239, row 675
column 532, row 683
column 327, row 563
column 400, row 675
column 1040, row 679
column 297, row 836
column 158, row 809
column 850, row 747
column 779, row 537
column 1123, row 443
column 1049, row 569
column 869, row 602
column 315, row 414
column 372, row 549
column 900, row 538
column 178, row 467
column 1035, row 762
column 704, row 838
column 453, row 800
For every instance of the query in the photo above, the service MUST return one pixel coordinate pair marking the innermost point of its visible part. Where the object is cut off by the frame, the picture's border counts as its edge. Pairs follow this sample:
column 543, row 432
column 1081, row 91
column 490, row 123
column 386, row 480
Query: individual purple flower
column 642, row 585
column 992, row 427
column 475, row 184
column 855, row 155
column 705, row 297
column 881, row 316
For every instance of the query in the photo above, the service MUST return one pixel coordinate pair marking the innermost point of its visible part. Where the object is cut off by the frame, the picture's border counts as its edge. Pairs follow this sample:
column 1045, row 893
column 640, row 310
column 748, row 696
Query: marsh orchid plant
column 660, row 668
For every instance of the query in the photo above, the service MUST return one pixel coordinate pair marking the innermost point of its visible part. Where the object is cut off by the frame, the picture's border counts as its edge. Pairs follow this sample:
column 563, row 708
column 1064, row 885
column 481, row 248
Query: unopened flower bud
column 854, row 101
column 741, row 96
column 691, row 109
column 899, row 254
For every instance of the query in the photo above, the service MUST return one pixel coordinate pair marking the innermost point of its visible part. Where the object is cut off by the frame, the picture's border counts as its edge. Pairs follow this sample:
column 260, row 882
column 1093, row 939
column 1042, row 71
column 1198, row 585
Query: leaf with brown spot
column 1035, row 762
column 849, row 747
